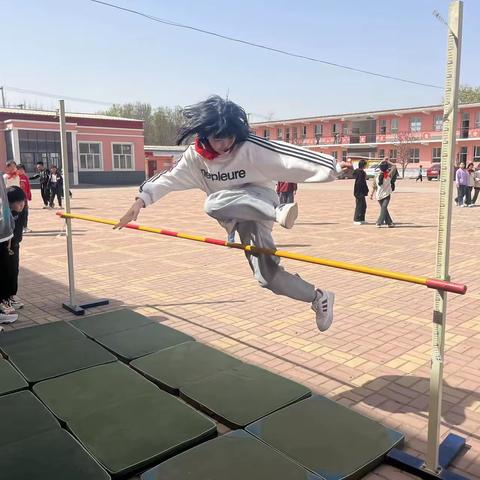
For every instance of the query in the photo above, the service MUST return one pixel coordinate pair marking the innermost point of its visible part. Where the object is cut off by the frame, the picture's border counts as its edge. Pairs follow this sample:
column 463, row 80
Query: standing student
column 471, row 183
column 11, row 176
column 43, row 174
column 237, row 171
column 55, row 185
column 476, row 184
column 461, row 180
column 7, row 312
column 25, row 186
column 360, row 191
column 420, row 174
column 16, row 201
column 286, row 192
column 382, row 187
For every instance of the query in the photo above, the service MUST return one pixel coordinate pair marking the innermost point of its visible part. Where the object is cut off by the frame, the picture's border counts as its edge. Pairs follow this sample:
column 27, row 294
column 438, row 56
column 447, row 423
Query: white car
column 372, row 170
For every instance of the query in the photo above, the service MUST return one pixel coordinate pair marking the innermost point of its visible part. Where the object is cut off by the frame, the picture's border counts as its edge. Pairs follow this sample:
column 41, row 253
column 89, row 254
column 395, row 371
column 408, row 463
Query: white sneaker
column 287, row 214
column 323, row 308
column 27, row 230
column 462, row 205
column 471, row 205
column 15, row 302
column 6, row 308
column 8, row 318
column 358, row 223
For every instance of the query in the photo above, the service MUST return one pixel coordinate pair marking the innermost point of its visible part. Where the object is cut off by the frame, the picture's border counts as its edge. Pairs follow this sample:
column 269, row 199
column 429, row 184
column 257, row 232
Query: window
column 415, row 124
column 344, row 155
column 334, row 128
column 394, row 125
column 393, row 155
column 304, row 131
column 438, row 123
column 319, row 129
column 335, row 154
column 287, row 134
column 436, row 154
column 346, row 129
column 463, row 154
column 415, row 155
column 383, row 127
column 476, row 153
column 381, row 153
column 294, row 133
column 279, row 133
column 477, row 120
column 266, row 133
column 122, row 156
column 90, row 156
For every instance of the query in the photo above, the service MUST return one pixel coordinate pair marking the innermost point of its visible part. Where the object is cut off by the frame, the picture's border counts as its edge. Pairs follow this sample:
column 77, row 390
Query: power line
column 264, row 47
column 56, row 96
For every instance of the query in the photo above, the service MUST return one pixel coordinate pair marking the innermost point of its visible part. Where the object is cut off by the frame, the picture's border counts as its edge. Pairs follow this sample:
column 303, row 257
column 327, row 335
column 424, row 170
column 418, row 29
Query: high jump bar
column 434, row 283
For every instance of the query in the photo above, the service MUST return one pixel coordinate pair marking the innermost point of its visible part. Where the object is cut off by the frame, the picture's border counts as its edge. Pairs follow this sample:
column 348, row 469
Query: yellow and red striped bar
column 428, row 282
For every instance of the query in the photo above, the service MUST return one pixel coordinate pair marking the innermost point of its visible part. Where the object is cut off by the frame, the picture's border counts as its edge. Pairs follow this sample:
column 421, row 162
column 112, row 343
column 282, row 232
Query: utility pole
column 3, row 97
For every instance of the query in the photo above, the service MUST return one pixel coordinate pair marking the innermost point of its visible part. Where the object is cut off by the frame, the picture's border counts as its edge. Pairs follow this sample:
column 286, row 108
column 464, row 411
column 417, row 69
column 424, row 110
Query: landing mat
column 10, row 379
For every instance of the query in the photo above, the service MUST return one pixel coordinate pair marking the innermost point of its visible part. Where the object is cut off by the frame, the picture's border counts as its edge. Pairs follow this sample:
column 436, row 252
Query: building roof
column 373, row 113
column 91, row 119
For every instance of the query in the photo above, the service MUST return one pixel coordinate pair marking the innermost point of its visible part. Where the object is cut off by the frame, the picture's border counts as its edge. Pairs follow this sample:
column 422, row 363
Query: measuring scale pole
column 444, row 225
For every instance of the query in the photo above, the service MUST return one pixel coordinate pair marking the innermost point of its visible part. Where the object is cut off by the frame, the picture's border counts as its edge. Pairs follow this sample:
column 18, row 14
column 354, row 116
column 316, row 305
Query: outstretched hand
column 130, row 215
column 346, row 165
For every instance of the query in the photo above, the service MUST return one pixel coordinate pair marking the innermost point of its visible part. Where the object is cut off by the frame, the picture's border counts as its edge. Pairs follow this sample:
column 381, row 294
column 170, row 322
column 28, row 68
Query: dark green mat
column 236, row 456
column 141, row 431
column 111, row 322
column 40, row 335
column 81, row 393
column 175, row 366
column 10, row 379
column 52, row 455
column 22, row 416
column 57, row 358
column 137, row 342
column 243, row 394
column 327, row 438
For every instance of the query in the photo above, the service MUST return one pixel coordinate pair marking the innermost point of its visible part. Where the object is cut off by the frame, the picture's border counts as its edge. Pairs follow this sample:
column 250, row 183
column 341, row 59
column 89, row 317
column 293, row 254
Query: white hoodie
column 256, row 161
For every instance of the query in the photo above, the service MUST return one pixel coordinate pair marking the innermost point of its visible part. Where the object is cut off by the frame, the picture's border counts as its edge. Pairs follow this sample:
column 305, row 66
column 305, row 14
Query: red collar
column 12, row 175
column 205, row 150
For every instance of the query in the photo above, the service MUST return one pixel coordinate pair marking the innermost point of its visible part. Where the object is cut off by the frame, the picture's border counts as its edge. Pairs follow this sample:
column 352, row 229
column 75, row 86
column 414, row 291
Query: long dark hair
column 214, row 117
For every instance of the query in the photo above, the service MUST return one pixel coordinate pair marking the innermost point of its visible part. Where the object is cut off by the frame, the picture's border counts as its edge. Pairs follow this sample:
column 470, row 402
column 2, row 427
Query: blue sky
column 81, row 49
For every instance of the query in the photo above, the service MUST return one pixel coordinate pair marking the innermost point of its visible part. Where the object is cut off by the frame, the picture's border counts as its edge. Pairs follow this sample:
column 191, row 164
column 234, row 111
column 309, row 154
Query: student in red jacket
column 286, row 192
column 25, row 186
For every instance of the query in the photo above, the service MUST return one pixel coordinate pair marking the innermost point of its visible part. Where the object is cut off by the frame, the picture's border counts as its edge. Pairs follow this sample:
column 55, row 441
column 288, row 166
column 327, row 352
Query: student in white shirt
column 238, row 172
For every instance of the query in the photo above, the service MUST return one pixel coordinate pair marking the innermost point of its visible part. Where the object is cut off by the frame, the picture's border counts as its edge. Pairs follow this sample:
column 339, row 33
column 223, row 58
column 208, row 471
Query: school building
column 101, row 149
column 382, row 133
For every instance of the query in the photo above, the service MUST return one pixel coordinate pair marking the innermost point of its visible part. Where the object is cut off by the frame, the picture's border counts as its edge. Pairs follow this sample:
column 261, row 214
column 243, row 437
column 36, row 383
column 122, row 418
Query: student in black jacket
column 360, row 191
column 55, row 185
column 43, row 174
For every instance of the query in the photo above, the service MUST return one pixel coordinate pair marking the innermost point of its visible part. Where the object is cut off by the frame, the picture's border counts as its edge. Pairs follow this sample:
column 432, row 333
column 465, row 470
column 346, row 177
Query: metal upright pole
column 3, row 97
column 444, row 227
column 72, row 304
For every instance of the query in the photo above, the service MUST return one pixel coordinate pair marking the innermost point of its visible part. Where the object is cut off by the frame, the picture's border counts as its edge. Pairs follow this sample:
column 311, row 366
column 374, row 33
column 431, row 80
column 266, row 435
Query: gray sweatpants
column 253, row 209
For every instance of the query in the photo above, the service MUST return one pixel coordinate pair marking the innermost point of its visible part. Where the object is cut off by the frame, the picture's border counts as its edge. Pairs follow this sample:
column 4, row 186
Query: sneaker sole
column 291, row 217
column 331, row 301
column 6, row 321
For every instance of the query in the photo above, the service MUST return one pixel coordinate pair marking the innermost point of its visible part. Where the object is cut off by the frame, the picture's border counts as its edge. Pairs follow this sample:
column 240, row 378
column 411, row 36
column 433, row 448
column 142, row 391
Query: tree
column 468, row 94
column 160, row 124
column 403, row 143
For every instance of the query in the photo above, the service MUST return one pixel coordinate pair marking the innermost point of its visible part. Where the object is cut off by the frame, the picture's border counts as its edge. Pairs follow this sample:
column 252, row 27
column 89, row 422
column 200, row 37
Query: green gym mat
column 56, row 359
column 10, row 379
column 40, row 335
column 327, row 438
column 175, row 366
column 84, row 392
column 137, row 342
column 141, row 431
column 52, row 455
column 23, row 416
column 111, row 322
column 243, row 394
column 235, row 456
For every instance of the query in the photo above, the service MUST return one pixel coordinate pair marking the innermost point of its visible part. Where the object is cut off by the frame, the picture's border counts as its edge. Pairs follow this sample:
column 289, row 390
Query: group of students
column 12, row 204
column 467, row 180
column 383, row 187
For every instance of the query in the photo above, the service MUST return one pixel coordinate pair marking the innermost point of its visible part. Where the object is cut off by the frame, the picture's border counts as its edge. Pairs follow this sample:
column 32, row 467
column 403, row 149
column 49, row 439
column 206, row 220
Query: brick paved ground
column 375, row 357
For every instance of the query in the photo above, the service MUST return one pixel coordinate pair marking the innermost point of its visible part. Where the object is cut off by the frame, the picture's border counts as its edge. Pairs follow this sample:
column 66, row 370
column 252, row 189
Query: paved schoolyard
column 376, row 356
